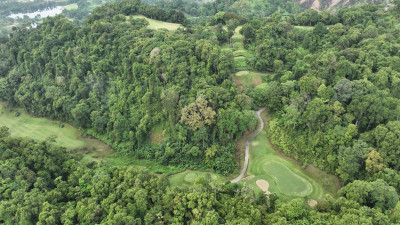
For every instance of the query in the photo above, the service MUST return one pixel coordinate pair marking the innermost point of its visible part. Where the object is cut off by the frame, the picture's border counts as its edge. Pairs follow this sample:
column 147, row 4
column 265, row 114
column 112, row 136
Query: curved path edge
column 247, row 147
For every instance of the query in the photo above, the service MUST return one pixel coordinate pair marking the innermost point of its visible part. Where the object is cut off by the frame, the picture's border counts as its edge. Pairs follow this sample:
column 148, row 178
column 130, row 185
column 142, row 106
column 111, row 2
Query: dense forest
column 43, row 184
column 333, row 100
column 119, row 81
column 245, row 8
column 335, row 97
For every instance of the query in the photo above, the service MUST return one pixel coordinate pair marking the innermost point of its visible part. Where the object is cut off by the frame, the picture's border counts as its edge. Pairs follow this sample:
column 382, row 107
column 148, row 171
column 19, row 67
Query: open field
column 40, row 128
column 284, row 175
column 156, row 24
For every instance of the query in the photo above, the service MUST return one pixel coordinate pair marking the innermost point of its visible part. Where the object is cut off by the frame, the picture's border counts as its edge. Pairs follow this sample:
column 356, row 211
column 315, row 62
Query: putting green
column 39, row 129
column 288, row 182
column 286, row 178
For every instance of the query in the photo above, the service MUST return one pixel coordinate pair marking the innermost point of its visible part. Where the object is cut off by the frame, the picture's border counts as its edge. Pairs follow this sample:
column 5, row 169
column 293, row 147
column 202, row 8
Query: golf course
column 284, row 175
column 265, row 168
column 157, row 24
column 246, row 76
column 21, row 124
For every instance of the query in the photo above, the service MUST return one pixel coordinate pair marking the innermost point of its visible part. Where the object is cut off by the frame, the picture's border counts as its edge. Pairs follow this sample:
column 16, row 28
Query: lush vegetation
column 244, row 8
column 167, row 99
column 42, row 184
column 119, row 81
column 21, row 124
column 335, row 95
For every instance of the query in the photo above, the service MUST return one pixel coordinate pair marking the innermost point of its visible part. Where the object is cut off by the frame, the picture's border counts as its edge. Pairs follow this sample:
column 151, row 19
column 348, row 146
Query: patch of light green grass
column 70, row 6
column 40, row 129
column 121, row 159
column 288, row 183
column 305, row 28
column 250, row 79
column 156, row 24
column 189, row 176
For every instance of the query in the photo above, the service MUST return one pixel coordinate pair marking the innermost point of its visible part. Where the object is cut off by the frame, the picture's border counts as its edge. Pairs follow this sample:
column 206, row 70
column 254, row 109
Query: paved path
column 247, row 146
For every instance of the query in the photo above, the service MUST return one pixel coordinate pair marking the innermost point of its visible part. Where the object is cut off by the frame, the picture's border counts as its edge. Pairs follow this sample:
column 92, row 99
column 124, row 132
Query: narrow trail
column 247, row 146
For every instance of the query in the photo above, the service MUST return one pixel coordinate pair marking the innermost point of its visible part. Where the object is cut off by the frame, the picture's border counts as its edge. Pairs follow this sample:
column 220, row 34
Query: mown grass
column 249, row 79
column 285, row 176
column 189, row 176
column 156, row 24
column 70, row 6
column 40, row 129
column 306, row 28
column 246, row 78
column 122, row 159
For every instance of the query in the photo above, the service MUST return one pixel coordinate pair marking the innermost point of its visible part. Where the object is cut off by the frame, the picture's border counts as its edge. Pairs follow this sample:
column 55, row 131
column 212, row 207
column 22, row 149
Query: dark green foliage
column 335, row 97
column 244, row 8
column 42, row 183
column 377, row 194
column 119, row 81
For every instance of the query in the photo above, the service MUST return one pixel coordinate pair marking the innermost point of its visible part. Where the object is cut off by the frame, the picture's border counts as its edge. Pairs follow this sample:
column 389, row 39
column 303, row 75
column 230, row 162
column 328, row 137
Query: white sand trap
column 312, row 202
column 254, row 143
column 263, row 185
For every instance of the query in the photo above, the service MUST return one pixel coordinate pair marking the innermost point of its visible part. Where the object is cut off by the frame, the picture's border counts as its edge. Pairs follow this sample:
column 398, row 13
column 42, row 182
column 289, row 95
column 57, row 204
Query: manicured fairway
column 245, row 77
column 285, row 176
column 156, row 24
column 188, row 177
column 40, row 128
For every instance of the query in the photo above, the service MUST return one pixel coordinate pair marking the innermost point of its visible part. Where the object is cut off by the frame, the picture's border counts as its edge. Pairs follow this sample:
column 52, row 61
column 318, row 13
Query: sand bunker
column 254, row 143
column 312, row 202
column 263, row 185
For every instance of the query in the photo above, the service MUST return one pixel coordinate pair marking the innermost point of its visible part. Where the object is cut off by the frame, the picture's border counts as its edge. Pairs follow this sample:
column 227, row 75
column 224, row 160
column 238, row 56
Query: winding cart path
column 247, row 147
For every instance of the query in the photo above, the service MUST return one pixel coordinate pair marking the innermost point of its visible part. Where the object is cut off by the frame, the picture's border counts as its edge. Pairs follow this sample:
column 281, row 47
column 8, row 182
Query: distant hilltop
column 320, row 5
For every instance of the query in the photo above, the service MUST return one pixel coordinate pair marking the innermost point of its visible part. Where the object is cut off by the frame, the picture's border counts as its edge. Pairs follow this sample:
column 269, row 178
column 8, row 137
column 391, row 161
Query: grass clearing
column 249, row 79
column 304, row 28
column 40, row 129
column 246, row 78
column 157, row 24
column 121, row 159
column 70, row 6
column 157, row 135
column 285, row 176
column 189, row 176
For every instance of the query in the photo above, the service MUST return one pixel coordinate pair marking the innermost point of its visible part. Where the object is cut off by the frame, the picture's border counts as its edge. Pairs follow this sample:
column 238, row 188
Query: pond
column 42, row 13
